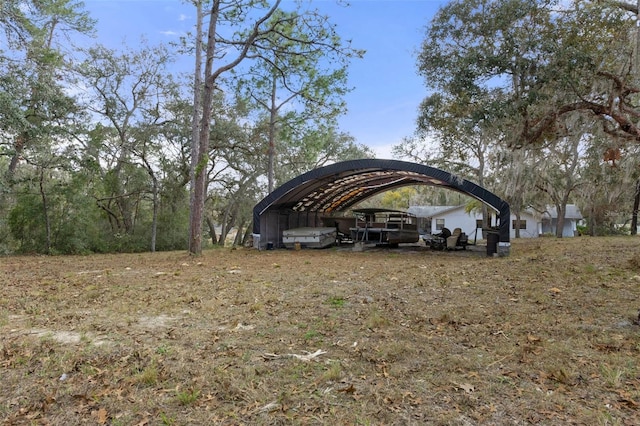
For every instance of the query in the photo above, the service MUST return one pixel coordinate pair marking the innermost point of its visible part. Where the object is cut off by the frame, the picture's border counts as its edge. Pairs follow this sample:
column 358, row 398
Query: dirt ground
column 409, row 336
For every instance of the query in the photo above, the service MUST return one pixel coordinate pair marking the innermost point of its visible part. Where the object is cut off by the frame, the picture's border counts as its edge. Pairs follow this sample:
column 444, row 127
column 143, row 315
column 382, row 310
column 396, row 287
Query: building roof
column 430, row 211
column 572, row 212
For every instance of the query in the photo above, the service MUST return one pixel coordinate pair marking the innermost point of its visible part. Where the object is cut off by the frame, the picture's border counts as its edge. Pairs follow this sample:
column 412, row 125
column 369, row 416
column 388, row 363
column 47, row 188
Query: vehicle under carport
column 306, row 199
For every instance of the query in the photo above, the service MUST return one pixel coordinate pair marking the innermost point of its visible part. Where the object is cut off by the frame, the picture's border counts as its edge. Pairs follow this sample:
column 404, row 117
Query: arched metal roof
column 339, row 186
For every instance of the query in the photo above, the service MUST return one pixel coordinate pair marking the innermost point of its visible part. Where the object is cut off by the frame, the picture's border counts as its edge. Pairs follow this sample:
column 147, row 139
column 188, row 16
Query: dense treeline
column 537, row 100
column 97, row 146
column 104, row 150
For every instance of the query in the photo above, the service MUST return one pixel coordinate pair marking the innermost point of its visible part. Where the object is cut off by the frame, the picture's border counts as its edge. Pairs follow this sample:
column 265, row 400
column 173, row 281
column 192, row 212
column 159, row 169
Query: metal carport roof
column 339, row 186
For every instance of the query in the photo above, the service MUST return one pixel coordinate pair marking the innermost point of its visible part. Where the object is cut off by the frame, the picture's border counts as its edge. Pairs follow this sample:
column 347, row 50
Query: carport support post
column 504, row 244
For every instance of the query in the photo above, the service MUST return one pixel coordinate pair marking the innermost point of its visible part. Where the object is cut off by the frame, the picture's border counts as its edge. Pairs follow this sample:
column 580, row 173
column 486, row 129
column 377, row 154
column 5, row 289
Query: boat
column 309, row 237
column 384, row 227
column 342, row 225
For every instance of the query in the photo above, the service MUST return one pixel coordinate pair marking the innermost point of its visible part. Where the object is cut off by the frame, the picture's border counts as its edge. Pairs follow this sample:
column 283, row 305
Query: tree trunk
column 200, row 170
column 238, row 238
column 247, row 234
column 155, row 202
column 195, row 122
column 228, row 220
column 636, row 62
column 636, row 205
column 13, row 164
column 561, row 210
column 517, row 230
column 486, row 221
column 154, row 222
column 126, row 215
column 212, row 231
column 200, row 166
column 272, row 136
column 45, row 211
column 592, row 221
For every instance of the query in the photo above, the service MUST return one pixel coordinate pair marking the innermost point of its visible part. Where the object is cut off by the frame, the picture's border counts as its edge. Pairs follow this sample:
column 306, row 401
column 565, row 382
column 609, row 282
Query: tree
column 547, row 64
column 558, row 175
column 237, row 154
column 255, row 29
column 310, row 81
column 173, row 168
column 454, row 137
column 536, row 65
column 129, row 92
column 195, row 120
column 311, row 145
column 514, row 178
column 635, row 9
column 479, row 59
column 398, row 198
column 33, row 98
column 37, row 113
column 610, row 174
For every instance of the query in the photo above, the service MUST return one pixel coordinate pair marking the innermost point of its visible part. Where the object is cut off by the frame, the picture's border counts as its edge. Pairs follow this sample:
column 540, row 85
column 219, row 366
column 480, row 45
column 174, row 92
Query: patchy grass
column 548, row 335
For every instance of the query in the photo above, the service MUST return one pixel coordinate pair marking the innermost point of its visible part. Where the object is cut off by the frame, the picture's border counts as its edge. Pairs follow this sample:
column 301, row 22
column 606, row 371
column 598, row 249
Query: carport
column 305, row 199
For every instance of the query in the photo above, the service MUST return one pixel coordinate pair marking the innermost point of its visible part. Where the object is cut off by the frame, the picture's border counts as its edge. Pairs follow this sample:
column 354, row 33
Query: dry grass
column 545, row 336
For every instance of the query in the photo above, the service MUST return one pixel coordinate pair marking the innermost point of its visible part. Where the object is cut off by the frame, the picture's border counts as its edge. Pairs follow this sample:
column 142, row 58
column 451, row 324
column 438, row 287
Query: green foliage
column 336, row 301
column 524, row 66
column 173, row 229
column 72, row 217
column 310, row 147
column 505, row 74
column 25, row 223
column 399, row 198
column 102, row 179
column 187, row 397
column 303, row 71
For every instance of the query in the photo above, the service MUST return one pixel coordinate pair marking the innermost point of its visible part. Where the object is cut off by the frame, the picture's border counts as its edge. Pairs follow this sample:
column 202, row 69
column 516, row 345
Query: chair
column 452, row 241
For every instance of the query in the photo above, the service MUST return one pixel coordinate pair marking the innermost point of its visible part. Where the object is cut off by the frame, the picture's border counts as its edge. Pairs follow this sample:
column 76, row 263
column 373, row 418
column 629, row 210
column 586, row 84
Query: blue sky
column 382, row 108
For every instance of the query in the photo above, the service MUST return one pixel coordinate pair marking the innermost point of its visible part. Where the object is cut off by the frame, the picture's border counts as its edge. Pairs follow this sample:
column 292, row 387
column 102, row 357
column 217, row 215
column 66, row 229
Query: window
column 523, row 224
column 479, row 222
column 439, row 224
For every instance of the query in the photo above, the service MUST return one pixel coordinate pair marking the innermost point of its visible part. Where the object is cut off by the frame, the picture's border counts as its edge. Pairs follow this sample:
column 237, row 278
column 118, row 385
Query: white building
column 549, row 221
column 431, row 220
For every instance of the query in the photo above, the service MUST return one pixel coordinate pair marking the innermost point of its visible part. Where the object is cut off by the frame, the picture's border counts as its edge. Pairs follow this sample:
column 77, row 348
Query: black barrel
column 492, row 242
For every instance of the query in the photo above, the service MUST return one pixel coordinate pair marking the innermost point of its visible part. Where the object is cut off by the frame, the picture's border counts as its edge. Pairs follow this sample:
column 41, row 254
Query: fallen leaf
column 467, row 387
column 532, row 338
column 625, row 397
column 348, row 389
column 102, row 416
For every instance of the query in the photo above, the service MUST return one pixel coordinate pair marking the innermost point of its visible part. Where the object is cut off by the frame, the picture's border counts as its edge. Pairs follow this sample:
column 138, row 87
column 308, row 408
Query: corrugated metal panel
column 339, row 186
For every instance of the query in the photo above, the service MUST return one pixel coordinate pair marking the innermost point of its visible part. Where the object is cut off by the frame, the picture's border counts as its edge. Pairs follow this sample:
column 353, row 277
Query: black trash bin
column 492, row 242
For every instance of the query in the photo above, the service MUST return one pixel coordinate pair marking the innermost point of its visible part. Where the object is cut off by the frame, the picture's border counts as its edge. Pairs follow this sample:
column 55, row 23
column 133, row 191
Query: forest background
column 107, row 150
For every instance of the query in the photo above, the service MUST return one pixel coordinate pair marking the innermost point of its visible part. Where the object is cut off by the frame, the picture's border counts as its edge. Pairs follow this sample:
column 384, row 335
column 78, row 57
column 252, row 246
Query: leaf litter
column 548, row 335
